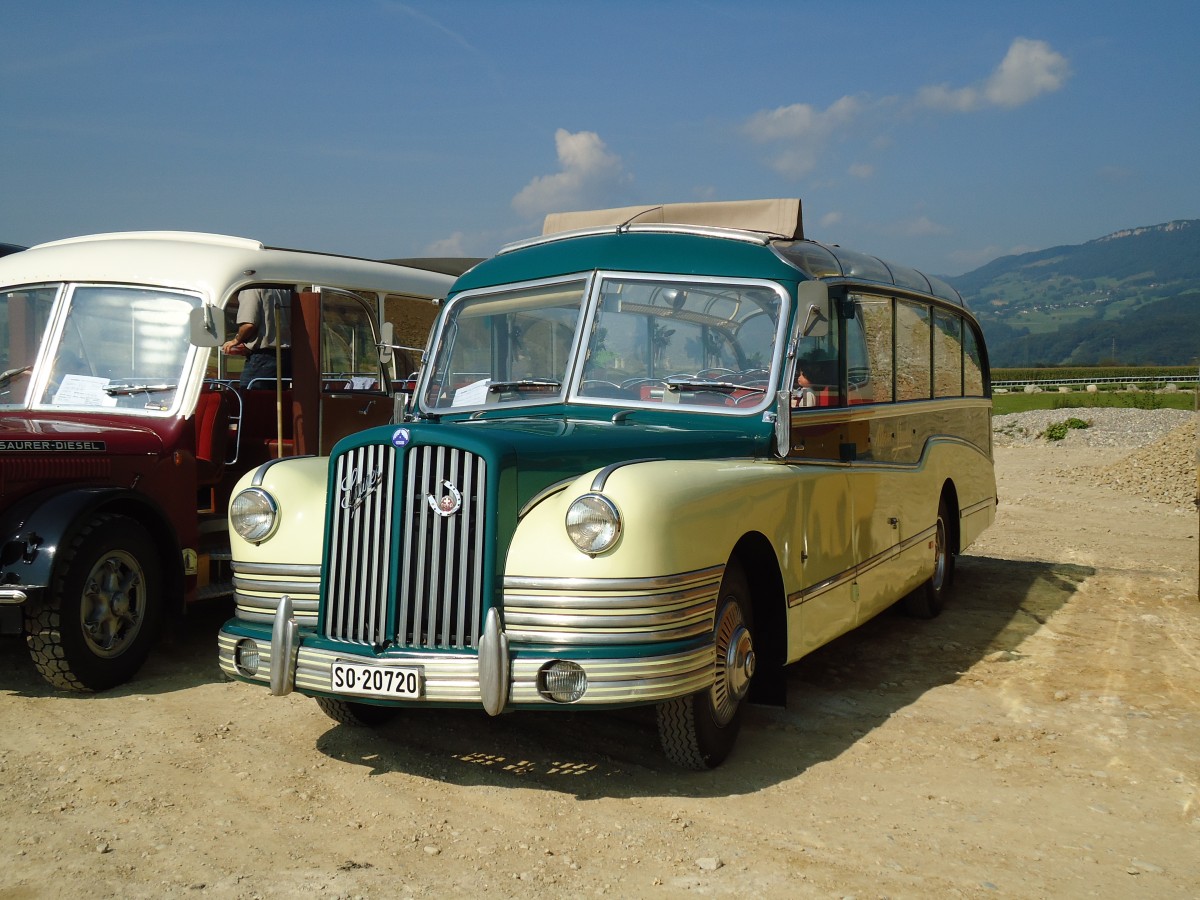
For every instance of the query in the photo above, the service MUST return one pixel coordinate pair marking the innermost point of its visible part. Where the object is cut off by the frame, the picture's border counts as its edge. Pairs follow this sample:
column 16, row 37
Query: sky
column 940, row 135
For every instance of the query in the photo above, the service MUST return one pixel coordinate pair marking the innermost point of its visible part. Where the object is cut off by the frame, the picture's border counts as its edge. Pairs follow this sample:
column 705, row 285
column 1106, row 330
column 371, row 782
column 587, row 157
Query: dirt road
column 1040, row 739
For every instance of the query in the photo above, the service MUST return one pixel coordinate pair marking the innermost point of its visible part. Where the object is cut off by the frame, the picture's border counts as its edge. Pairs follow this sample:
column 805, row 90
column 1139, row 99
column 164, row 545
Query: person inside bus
column 804, row 395
column 263, row 335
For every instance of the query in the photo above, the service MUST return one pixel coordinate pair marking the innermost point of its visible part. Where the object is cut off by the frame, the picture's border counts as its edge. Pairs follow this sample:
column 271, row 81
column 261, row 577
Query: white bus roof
column 212, row 264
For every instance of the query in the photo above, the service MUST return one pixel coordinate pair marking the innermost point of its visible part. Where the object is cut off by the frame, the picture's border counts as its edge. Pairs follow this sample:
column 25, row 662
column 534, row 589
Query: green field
column 1002, row 404
column 1077, row 372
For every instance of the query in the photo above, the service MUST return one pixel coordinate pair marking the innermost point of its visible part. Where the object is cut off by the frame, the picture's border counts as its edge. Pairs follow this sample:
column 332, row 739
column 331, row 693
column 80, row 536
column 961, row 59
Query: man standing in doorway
column 264, row 335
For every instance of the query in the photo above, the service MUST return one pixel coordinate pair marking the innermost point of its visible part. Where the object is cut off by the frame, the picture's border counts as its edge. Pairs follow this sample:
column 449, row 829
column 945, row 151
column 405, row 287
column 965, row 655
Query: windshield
column 24, row 314
column 647, row 341
column 115, row 347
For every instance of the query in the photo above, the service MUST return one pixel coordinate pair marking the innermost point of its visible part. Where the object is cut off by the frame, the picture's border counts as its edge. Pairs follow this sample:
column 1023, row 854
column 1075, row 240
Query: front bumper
column 498, row 677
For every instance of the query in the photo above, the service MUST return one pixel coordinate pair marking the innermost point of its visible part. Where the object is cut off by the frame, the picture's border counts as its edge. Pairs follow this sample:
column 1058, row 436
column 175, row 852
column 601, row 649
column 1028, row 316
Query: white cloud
column 454, row 245
column 830, row 219
column 921, row 226
column 1029, row 68
column 589, row 172
column 802, row 134
column 804, row 129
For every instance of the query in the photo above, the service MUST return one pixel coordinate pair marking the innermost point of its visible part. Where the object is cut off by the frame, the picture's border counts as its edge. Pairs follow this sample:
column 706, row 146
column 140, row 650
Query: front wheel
column 362, row 715
column 699, row 731
column 99, row 619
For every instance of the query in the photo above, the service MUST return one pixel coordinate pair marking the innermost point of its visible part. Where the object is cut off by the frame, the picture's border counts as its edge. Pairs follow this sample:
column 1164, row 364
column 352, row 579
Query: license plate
column 402, row 682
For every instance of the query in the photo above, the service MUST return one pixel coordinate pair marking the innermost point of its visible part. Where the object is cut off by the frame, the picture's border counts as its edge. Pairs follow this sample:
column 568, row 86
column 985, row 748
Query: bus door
column 823, row 607
column 341, row 386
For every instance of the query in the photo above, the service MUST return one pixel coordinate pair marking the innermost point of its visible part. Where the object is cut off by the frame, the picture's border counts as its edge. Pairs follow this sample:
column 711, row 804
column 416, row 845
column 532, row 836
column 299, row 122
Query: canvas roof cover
column 780, row 217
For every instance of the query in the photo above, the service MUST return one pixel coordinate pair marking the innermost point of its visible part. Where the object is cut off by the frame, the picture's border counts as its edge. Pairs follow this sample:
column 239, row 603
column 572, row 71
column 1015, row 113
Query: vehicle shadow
column 836, row 695
column 185, row 656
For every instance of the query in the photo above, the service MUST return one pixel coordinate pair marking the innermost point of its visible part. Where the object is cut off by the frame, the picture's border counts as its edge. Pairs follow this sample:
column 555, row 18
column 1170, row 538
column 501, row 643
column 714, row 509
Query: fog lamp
column 245, row 657
column 562, row 681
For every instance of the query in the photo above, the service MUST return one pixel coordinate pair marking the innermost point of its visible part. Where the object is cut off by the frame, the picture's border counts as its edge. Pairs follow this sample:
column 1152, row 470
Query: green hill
column 1130, row 298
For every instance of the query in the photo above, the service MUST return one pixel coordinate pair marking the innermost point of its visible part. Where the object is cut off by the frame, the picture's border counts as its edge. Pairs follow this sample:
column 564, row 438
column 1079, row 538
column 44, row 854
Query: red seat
column 212, row 435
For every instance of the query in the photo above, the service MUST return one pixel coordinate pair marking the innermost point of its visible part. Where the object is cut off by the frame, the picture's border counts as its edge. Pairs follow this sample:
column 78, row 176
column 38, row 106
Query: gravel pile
column 1107, row 426
column 1161, row 466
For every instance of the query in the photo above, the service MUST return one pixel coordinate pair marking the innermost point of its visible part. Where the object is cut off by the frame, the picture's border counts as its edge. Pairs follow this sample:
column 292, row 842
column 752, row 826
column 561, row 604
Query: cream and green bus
column 654, row 456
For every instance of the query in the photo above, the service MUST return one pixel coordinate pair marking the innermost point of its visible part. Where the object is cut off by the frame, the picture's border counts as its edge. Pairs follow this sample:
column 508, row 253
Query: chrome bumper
column 494, row 677
column 12, row 596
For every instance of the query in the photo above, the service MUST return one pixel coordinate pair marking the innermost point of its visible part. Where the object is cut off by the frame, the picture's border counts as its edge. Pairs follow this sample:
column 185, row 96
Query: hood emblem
column 448, row 504
column 357, row 486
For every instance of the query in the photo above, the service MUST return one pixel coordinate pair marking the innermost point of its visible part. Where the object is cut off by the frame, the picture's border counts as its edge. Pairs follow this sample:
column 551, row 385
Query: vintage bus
column 123, row 429
column 654, row 456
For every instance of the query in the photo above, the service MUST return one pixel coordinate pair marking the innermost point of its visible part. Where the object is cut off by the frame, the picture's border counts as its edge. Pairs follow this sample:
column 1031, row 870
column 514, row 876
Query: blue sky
column 940, row 135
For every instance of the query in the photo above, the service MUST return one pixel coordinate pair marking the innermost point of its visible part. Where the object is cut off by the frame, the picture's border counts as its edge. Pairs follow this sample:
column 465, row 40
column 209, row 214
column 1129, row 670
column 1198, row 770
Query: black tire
column 100, row 617
column 359, row 715
column 927, row 601
column 699, row 731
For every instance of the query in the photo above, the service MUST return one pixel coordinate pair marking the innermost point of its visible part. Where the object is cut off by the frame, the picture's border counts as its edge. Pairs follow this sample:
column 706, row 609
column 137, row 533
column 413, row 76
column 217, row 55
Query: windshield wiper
column 123, row 390
column 526, row 387
column 6, row 377
column 700, row 384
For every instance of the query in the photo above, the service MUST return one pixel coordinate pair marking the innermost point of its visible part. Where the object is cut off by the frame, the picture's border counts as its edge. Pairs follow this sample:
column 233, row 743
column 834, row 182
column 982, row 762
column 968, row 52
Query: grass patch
column 1058, row 430
column 1003, row 404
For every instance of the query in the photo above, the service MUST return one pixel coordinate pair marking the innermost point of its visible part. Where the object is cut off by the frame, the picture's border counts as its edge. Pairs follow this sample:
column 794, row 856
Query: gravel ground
column 1161, row 466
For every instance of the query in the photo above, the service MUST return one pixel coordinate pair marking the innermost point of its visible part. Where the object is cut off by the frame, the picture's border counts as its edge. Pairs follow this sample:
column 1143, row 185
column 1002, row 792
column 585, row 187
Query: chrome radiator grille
column 435, row 566
column 360, row 546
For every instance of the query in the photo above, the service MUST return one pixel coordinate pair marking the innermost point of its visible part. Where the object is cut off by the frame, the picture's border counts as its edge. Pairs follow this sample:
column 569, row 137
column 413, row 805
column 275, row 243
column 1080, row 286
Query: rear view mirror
column 386, row 337
column 206, row 326
column 812, row 299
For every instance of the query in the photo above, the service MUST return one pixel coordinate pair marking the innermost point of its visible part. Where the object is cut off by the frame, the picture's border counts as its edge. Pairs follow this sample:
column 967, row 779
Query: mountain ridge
column 1121, row 298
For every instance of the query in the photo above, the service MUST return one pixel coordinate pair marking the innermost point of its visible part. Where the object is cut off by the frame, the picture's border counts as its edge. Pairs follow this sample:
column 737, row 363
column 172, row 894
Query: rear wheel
column 99, row 619
column 927, row 601
column 699, row 731
column 361, row 715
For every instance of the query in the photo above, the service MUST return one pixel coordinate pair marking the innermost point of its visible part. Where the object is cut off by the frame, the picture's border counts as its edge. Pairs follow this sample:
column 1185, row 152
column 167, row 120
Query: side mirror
column 386, row 337
column 812, row 299
column 206, row 326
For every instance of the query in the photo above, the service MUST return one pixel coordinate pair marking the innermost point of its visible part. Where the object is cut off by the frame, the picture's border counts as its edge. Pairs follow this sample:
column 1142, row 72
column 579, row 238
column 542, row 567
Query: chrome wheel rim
column 939, row 556
column 735, row 661
column 113, row 603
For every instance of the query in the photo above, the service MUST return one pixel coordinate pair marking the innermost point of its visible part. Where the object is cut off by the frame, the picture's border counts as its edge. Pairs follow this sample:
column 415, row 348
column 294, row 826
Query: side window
column 972, row 363
column 912, row 350
column 947, row 354
column 869, row 347
column 816, row 380
column 349, row 345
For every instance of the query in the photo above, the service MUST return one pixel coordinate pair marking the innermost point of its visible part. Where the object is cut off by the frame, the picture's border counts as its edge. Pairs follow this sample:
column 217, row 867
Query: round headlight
column 593, row 523
column 254, row 514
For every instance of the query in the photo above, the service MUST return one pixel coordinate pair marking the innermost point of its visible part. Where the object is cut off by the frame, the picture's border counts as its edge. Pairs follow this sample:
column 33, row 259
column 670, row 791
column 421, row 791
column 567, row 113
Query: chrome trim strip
column 581, row 585
column 245, row 585
column 811, row 593
column 580, row 603
column 590, row 611
column 261, row 472
column 761, row 238
column 12, row 596
column 289, row 570
column 821, row 587
column 603, row 475
column 542, row 495
column 974, row 508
